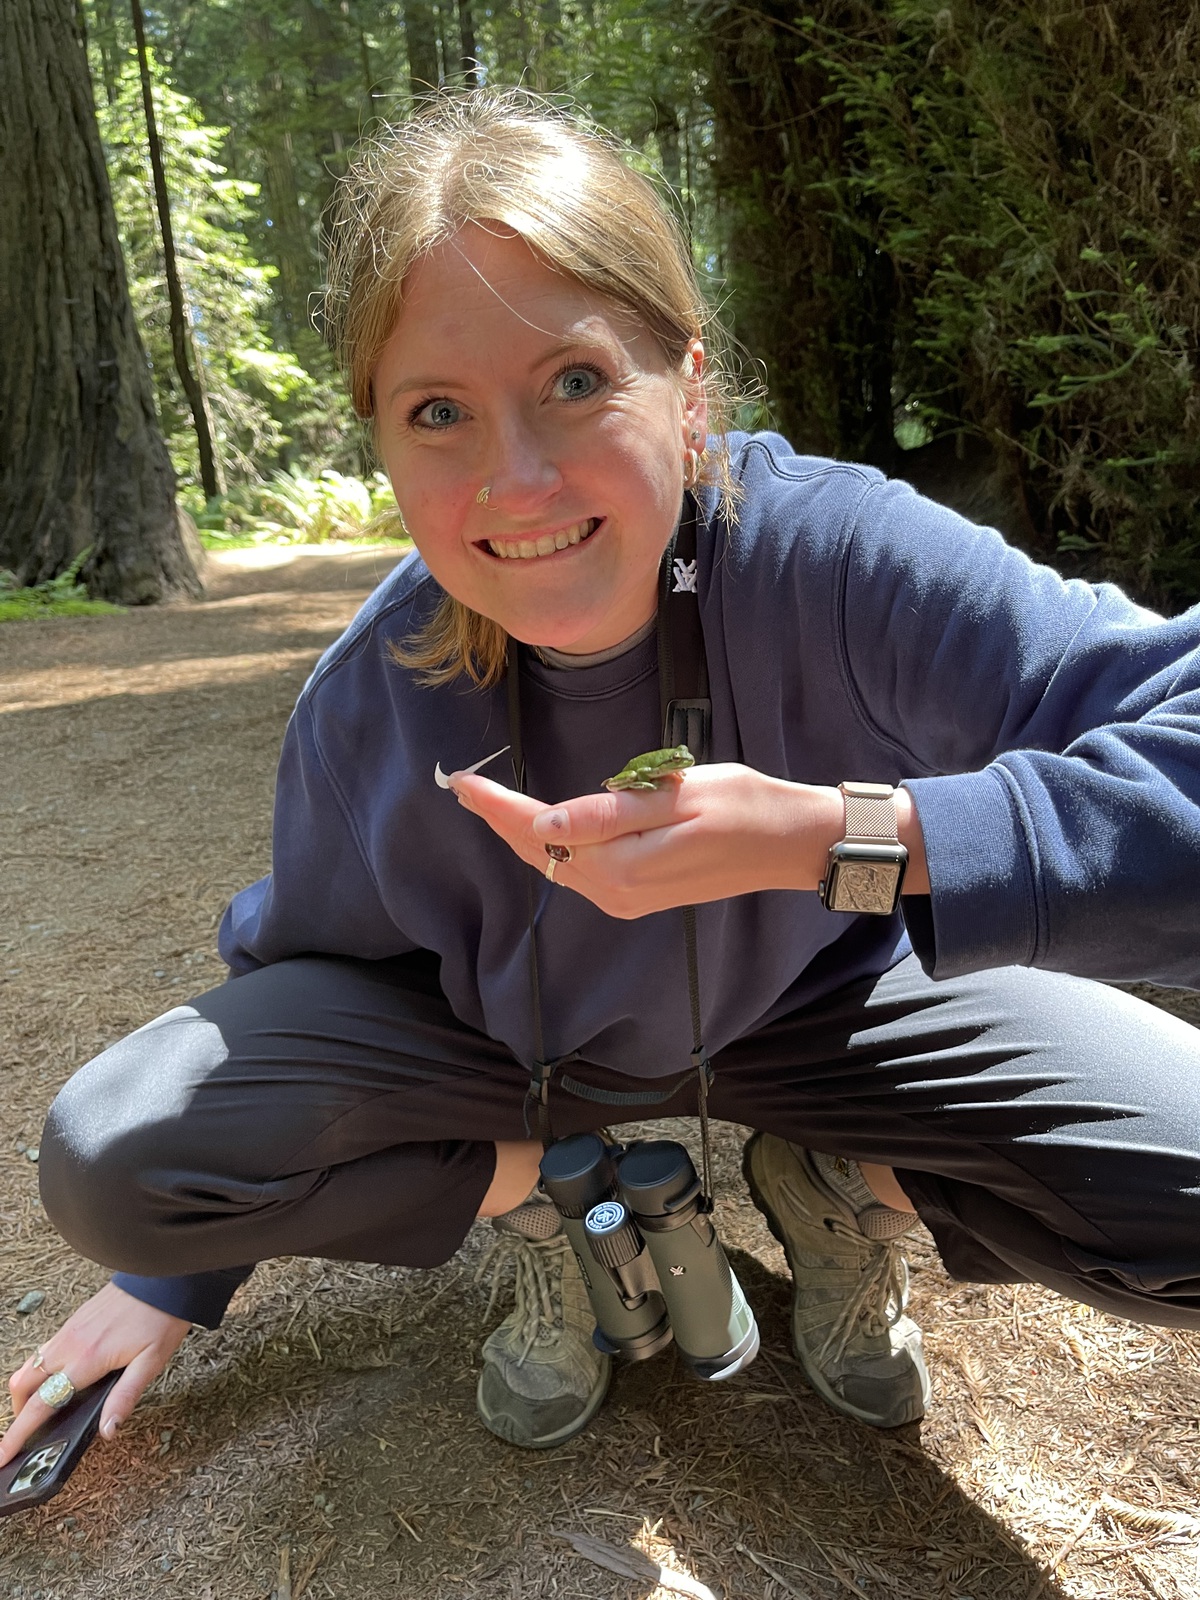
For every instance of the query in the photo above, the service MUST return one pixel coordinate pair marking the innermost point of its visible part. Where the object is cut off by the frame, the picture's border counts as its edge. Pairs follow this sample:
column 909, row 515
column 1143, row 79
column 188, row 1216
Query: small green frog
column 652, row 769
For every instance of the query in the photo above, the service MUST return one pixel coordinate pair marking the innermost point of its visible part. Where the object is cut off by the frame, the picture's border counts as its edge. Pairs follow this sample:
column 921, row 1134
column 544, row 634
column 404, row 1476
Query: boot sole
column 813, row 1374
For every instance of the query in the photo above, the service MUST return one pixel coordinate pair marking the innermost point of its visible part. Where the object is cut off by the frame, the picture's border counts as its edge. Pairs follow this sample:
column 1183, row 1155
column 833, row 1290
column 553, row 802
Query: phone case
column 51, row 1454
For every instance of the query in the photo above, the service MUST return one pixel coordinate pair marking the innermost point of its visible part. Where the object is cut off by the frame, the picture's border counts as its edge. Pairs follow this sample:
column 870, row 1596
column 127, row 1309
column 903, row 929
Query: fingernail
column 110, row 1427
column 549, row 822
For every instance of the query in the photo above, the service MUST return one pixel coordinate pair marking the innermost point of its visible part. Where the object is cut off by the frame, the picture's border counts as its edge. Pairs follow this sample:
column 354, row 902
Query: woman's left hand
column 711, row 832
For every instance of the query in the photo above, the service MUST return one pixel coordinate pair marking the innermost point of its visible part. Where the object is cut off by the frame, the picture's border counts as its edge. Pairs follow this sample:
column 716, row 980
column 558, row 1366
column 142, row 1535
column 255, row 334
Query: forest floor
column 324, row 1441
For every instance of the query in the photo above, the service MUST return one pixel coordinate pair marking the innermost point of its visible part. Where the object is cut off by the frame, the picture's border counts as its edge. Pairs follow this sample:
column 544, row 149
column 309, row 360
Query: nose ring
column 481, row 499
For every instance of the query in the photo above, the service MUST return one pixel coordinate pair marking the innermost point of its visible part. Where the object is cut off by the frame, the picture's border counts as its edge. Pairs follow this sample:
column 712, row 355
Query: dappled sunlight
column 62, row 686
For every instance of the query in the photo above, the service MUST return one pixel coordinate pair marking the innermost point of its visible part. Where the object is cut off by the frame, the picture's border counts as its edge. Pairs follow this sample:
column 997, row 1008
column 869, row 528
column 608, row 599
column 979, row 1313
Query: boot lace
column 537, row 1279
column 878, row 1298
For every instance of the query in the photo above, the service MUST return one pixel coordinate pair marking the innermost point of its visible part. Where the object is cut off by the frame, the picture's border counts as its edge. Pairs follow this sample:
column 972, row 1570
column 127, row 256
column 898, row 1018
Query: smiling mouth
column 548, row 545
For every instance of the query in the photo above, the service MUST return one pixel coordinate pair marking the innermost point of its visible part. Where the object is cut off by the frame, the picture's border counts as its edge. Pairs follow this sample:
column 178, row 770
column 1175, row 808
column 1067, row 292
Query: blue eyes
column 437, row 414
column 579, row 382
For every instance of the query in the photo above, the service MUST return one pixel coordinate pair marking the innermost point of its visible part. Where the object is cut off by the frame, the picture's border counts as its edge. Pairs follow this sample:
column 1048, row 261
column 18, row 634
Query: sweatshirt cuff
column 982, row 903
column 198, row 1297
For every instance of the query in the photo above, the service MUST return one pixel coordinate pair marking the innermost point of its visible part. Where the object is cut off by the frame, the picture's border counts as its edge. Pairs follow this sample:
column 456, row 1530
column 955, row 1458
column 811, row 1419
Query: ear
column 694, row 421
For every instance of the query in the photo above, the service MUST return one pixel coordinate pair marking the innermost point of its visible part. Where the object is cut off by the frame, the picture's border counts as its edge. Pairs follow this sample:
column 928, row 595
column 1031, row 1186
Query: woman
column 520, row 321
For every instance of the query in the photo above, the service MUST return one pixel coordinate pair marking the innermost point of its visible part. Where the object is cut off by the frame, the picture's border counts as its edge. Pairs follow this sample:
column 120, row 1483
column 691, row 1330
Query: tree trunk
column 468, row 50
column 666, row 131
column 292, row 242
column 106, row 39
column 420, row 35
column 211, row 477
column 813, row 298
column 82, row 459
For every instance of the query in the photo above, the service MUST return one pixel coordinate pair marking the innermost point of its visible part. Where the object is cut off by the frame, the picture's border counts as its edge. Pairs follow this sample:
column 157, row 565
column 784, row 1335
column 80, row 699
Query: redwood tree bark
column 82, row 459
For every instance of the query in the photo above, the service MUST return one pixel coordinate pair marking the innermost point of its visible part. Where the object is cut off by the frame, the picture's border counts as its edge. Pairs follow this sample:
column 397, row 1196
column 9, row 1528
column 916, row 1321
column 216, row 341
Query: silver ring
column 39, row 1361
column 56, row 1391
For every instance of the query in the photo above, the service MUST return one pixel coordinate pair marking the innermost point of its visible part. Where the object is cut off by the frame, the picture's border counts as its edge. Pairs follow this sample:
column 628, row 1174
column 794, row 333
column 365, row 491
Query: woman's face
column 504, row 374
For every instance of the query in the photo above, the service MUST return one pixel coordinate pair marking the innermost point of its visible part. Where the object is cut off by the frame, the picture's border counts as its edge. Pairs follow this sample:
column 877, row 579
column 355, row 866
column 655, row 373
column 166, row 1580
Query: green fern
column 63, row 596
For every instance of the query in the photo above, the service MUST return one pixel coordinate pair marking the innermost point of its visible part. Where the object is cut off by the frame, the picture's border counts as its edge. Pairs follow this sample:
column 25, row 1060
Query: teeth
column 530, row 549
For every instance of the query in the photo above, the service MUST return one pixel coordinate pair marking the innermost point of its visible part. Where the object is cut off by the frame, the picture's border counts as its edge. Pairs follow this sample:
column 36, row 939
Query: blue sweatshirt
column 1049, row 732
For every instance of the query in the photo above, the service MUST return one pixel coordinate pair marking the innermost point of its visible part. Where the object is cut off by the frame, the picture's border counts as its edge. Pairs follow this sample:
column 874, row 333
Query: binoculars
column 639, row 1225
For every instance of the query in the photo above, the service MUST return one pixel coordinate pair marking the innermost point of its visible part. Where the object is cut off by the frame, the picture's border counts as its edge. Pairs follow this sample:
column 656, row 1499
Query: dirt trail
column 324, row 1441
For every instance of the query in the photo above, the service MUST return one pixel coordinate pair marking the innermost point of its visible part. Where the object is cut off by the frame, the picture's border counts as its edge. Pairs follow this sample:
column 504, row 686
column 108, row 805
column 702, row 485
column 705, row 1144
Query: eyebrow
column 565, row 347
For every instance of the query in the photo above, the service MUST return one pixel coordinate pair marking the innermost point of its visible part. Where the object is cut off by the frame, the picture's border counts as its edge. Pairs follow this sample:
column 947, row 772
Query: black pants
column 1046, row 1128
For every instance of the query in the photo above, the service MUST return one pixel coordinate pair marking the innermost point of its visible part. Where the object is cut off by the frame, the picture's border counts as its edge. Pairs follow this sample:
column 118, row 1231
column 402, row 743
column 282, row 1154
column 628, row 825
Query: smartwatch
column 865, row 870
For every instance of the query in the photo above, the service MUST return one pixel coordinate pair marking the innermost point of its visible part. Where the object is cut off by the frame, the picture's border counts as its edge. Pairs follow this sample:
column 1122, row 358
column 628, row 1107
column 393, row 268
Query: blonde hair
column 566, row 189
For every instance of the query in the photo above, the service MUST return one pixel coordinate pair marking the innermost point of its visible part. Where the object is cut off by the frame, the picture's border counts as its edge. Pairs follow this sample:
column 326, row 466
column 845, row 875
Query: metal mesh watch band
column 870, row 812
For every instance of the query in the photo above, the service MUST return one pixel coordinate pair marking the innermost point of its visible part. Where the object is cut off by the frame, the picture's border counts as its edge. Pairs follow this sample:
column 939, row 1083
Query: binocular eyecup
column 650, row 1257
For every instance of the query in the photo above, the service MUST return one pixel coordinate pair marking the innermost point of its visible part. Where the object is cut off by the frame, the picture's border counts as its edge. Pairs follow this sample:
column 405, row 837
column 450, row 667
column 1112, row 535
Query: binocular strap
column 687, row 719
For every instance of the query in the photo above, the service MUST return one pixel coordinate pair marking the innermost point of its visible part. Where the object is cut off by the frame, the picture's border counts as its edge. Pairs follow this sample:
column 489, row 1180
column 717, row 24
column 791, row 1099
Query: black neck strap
column 686, row 719
column 682, row 668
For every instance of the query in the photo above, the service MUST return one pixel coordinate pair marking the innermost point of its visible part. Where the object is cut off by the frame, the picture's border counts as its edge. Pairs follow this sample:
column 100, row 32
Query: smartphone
column 52, row 1453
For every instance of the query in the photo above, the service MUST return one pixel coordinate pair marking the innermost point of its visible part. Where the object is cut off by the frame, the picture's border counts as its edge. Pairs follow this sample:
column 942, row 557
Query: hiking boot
column 543, row 1379
column 858, row 1349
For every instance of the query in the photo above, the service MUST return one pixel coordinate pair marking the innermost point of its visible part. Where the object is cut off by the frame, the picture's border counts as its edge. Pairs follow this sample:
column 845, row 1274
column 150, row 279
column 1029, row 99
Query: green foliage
column 294, row 508
column 63, row 596
column 266, row 406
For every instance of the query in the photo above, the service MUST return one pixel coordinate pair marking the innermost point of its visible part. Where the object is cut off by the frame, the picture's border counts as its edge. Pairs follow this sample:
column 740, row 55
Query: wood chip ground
column 324, row 1442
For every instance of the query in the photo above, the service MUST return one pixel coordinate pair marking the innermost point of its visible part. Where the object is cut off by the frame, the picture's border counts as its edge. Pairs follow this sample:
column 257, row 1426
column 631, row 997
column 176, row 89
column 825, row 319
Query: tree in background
column 810, row 292
column 82, row 462
column 975, row 232
column 189, row 371
column 267, row 408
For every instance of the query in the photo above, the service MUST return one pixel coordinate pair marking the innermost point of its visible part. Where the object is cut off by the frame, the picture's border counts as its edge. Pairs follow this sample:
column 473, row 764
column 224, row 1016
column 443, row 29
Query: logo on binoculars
column 609, row 1214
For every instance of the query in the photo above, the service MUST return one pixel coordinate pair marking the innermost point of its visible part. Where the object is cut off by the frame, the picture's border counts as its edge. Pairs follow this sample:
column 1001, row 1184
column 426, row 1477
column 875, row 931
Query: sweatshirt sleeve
column 201, row 1297
column 320, row 894
column 1052, row 730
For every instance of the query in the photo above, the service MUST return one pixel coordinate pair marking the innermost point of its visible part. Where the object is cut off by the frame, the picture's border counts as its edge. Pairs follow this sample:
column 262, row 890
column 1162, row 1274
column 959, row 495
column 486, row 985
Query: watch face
column 866, row 886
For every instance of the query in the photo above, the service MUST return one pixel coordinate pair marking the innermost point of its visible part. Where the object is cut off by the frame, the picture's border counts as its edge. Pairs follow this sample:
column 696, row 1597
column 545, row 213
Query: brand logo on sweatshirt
column 685, row 577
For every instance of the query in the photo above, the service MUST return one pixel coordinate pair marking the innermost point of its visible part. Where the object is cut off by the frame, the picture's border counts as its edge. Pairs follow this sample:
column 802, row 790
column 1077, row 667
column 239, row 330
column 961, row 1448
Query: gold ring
column 481, row 499
column 557, row 853
column 39, row 1361
column 56, row 1391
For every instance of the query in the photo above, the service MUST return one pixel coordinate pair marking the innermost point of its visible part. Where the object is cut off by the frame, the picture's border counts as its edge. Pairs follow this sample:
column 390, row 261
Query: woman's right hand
column 110, row 1330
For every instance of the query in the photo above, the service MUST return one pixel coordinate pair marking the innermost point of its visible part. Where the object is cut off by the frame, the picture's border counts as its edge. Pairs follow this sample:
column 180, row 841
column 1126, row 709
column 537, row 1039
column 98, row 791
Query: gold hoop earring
column 691, row 468
column 481, row 499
